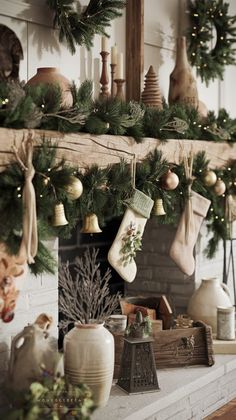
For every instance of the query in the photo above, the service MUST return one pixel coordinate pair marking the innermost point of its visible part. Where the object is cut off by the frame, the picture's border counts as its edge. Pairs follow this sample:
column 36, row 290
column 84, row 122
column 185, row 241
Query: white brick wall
column 39, row 294
column 158, row 274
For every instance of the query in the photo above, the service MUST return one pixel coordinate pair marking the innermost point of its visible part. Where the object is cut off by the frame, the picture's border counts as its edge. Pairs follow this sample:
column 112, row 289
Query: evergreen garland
column 40, row 106
column 105, row 193
column 205, row 14
column 79, row 28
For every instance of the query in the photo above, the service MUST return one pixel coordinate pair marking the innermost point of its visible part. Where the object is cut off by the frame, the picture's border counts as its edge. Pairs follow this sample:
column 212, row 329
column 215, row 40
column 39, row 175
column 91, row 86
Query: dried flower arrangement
column 85, row 298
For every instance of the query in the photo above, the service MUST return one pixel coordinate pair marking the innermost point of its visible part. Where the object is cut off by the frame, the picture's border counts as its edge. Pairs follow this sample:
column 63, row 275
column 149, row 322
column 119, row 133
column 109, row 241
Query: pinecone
column 151, row 95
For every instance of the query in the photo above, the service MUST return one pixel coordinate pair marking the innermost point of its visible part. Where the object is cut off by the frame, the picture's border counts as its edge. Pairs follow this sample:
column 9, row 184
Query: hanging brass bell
column 59, row 218
column 90, row 224
column 158, row 209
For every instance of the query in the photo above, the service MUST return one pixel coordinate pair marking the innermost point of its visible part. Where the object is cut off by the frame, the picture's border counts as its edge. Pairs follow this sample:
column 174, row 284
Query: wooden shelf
column 84, row 149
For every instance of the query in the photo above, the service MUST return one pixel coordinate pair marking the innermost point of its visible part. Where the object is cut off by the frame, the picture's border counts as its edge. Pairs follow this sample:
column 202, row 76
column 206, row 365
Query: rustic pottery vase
column 205, row 300
column 183, row 86
column 51, row 75
column 89, row 359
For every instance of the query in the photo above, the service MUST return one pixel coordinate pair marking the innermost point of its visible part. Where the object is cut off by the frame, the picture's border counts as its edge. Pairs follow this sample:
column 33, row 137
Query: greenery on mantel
column 40, row 107
column 79, row 27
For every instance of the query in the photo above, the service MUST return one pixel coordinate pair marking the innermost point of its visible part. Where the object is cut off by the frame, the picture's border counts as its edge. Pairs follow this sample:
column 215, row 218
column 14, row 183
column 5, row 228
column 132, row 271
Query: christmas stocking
column 181, row 250
column 129, row 236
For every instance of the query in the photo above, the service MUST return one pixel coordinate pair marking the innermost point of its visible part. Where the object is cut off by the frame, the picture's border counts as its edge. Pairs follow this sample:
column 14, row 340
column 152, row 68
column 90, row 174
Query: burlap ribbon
column 29, row 243
column 188, row 167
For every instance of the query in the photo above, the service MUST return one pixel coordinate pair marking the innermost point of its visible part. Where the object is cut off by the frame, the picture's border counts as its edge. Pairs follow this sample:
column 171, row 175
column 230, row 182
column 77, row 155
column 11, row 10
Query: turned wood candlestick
column 120, row 90
column 113, row 85
column 104, row 80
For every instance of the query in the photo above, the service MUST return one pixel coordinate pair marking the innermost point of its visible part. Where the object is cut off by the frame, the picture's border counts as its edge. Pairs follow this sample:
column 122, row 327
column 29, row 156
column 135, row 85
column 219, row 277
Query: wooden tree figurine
column 151, row 95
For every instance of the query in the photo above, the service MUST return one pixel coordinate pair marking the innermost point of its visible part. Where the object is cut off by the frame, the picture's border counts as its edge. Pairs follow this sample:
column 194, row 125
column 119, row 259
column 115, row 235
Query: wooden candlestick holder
column 120, row 89
column 113, row 85
column 104, row 80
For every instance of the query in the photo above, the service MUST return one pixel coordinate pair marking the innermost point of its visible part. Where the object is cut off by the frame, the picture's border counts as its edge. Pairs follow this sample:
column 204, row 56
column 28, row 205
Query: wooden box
column 157, row 304
column 176, row 347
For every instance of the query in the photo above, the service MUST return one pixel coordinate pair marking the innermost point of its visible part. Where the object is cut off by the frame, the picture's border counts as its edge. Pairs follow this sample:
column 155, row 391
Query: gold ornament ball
column 170, row 181
column 75, row 188
column 219, row 187
column 209, row 178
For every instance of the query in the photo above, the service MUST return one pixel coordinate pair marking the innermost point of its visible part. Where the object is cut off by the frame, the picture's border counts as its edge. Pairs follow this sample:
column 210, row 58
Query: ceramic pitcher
column 203, row 303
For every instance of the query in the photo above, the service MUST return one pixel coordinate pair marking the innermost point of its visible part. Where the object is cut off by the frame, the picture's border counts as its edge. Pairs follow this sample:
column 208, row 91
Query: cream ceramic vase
column 205, row 300
column 89, row 359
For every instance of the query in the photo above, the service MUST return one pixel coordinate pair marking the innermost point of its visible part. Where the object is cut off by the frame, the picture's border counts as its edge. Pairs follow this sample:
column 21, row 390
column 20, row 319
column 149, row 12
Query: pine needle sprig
column 79, row 28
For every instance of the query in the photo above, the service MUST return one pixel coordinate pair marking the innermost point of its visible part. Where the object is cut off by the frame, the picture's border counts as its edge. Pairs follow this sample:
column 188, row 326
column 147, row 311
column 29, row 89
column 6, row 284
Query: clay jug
column 183, row 86
column 205, row 300
column 51, row 75
column 89, row 358
column 31, row 349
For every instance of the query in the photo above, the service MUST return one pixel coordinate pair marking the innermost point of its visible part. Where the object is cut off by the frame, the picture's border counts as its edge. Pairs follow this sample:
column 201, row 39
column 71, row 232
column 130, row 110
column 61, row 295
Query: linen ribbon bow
column 29, row 243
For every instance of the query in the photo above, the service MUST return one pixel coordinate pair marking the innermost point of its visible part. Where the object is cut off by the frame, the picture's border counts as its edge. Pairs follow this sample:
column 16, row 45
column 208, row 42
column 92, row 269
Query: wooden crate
column 176, row 347
column 158, row 303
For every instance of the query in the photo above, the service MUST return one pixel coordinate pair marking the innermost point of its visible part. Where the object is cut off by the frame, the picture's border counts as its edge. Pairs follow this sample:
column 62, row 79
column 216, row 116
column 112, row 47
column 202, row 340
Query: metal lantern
column 59, row 218
column 158, row 209
column 138, row 368
column 90, row 224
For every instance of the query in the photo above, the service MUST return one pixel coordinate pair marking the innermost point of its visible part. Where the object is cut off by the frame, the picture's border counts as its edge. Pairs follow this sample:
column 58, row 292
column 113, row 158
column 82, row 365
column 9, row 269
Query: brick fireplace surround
column 183, row 391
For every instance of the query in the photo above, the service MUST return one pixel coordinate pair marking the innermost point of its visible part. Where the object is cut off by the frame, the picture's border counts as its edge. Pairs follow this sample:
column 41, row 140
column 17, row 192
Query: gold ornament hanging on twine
column 169, row 181
column 75, row 188
column 158, row 208
column 29, row 242
column 59, row 218
column 219, row 187
column 90, row 224
column 209, row 178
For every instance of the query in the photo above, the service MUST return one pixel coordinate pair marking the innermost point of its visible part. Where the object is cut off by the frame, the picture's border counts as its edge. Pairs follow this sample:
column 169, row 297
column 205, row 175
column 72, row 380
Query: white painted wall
column 164, row 21
column 32, row 20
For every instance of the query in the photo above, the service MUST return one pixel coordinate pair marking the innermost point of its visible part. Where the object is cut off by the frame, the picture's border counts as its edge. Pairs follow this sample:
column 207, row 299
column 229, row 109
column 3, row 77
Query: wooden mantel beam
column 134, row 48
column 83, row 149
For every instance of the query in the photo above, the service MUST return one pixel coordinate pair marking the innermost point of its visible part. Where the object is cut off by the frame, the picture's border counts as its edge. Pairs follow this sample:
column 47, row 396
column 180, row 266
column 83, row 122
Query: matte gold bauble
column 219, row 187
column 75, row 188
column 209, row 178
column 169, row 181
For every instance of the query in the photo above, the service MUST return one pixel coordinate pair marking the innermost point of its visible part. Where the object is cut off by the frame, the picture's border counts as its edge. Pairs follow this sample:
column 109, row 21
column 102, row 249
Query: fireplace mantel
column 83, row 149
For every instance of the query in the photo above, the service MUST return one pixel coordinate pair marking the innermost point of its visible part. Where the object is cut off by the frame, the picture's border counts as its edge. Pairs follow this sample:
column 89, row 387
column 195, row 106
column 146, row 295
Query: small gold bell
column 59, row 218
column 90, row 224
column 158, row 209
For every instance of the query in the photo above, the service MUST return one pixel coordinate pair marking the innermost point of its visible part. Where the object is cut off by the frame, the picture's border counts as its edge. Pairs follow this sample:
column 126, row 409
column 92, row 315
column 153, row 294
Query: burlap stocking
column 130, row 232
column 181, row 250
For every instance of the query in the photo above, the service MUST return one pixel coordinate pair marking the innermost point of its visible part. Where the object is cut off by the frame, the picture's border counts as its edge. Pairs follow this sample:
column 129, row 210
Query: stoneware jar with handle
column 203, row 304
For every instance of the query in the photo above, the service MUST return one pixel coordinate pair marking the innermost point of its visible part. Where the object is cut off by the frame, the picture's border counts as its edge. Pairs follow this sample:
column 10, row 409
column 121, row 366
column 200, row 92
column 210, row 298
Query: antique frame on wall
column 134, row 48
